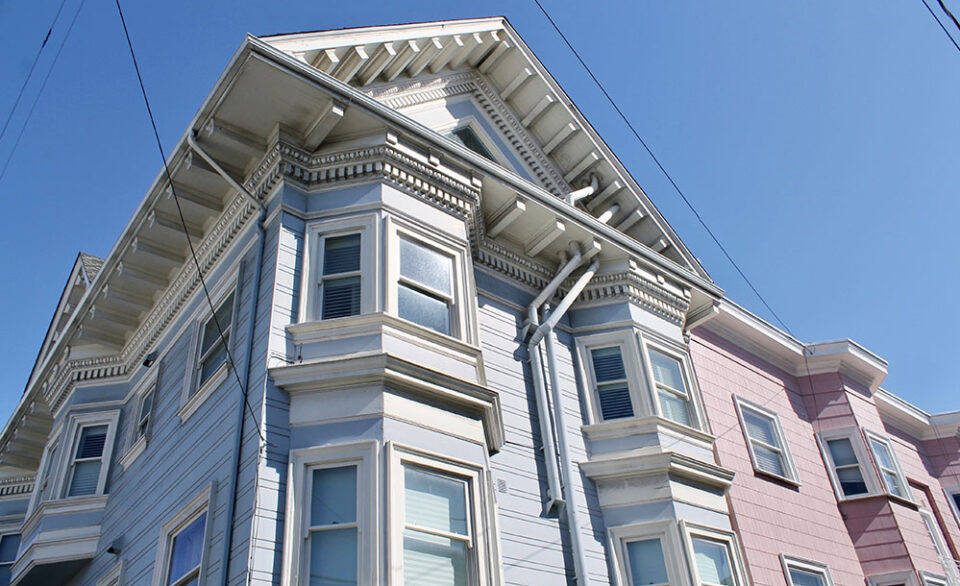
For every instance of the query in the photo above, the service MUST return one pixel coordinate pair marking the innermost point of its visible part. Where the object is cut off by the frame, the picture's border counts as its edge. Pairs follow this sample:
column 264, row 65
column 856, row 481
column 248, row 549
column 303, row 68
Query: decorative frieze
column 16, row 485
column 494, row 256
column 634, row 288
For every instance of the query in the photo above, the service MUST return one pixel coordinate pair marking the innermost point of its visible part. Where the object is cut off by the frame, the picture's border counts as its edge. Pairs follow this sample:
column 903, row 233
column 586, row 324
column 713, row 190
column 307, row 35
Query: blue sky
column 819, row 140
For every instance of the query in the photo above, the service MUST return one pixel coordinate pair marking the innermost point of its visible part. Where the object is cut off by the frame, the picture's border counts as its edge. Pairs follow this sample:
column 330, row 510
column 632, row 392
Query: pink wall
column 774, row 517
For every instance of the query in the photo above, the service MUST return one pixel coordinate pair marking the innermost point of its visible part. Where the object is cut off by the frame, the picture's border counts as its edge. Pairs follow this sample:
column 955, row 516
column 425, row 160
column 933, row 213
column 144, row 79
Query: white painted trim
column 789, row 562
column 364, row 455
column 72, row 435
column 792, row 476
column 949, row 492
column 901, row 477
column 367, row 226
column 480, row 508
column 113, row 576
column 669, row 536
column 691, row 530
column 930, row 579
column 907, row 578
column 856, row 441
column 202, row 503
column 626, row 341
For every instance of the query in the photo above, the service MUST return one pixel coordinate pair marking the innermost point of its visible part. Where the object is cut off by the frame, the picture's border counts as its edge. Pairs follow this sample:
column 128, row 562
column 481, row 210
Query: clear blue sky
column 819, row 140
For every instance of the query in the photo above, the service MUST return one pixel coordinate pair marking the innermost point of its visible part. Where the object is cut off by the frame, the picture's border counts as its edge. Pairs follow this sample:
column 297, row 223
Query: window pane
column 841, row 450
column 851, row 481
column 615, row 401
column 341, row 297
column 430, row 560
column 666, row 370
column 210, row 332
column 334, row 498
column 468, row 138
column 426, row 266
column 882, row 453
column 341, row 254
column 187, row 549
column 646, row 562
column 435, row 502
column 423, row 309
column 212, row 363
column 86, row 477
column 674, row 408
column 5, row 575
column 760, row 427
column 608, row 364
column 146, row 405
column 804, row 578
column 91, row 441
column 892, row 482
column 956, row 500
column 768, row 460
column 8, row 548
column 333, row 557
column 713, row 561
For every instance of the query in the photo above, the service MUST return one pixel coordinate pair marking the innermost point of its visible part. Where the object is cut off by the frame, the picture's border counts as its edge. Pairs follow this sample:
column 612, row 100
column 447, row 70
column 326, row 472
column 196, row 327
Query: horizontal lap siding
column 771, row 517
column 534, row 548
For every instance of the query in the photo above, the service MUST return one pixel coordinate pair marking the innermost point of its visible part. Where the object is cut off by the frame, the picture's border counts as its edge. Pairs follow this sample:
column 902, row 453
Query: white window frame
column 462, row 320
column 665, row 531
column 481, row 520
column 316, row 233
column 930, row 579
column 939, row 543
column 11, row 530
column 136, row 443
column 113, row 576
column 863, row 461
column 872, row 436
column 786, row 457
column 363, row 455
column 729, row 538
column 71, row 439
column 696, row 413
column 812, row 567
column 195, row 394
column 202, row 503
column 630, row 353
column 907, row 578
column 47, row 471
column 949, row 493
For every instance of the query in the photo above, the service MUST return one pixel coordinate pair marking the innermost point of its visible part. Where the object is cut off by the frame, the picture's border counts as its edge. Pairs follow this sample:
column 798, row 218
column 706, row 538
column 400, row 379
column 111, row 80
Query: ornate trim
column 503, row 260
column 639, row 291
column 16, row 485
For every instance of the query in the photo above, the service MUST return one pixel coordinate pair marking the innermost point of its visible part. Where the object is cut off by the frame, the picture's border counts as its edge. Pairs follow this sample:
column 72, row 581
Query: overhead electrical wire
column 36, row 99
column 183, row 222
column 940, row 24
column 33, row 66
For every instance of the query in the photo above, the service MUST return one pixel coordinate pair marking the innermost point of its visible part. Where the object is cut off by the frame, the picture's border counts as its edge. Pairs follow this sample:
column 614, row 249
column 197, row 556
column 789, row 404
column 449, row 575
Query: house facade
column 397, row 315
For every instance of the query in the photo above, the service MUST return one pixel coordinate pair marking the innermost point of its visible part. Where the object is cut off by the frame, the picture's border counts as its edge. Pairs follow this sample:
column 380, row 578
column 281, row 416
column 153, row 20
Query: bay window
column 647, row 554
column 890, row 473
column 87, row 459
column 339, row 276
column 671, row 384
column 425, row 286
column 842, row 452
column 715, row 556
column 610, row 383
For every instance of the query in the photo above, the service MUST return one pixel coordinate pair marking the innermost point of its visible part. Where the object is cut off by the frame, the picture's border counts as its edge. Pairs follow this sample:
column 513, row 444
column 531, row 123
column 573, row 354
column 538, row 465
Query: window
column 886, row 460
column 805, row 573
column 144, row 412
column 906, row 578
column 141, row 412
column 425, row 287
column 88, row 458
column 183, row 544
column 331, row 512
column 340, row 278
column 213, row 346
column 715, row 555
column 953, row 496
column 610, row 377
column 842, row 451
column 9, row 544
column 765, row 440
column 940, row 545
column 671, row 386
column 439, row 525
column 469, row 138
column 933, row 580
column 647, row 554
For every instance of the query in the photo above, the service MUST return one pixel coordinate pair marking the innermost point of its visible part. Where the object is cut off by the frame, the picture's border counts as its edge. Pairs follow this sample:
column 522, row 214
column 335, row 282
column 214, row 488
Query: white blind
column 768, row 460
column 646, row 562
column 430, row 560
column 713, row 561
column 333, row 557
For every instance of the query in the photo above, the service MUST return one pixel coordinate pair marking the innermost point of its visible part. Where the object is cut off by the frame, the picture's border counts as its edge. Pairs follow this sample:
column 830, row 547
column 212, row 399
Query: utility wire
column 183, row 222
column 943, row 7
column 663, row 170
column 43, row 85
column 940, row 24
column 36, row 59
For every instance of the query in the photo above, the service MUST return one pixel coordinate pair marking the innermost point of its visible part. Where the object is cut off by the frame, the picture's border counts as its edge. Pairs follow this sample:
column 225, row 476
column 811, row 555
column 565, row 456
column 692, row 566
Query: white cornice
column 915, row 421
column 739, row 326
column 646, row 462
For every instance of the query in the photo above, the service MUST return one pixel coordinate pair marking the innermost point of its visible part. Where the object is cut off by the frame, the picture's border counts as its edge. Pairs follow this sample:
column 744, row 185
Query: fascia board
column 546, row 199
column 913, row 420
column 645, row 463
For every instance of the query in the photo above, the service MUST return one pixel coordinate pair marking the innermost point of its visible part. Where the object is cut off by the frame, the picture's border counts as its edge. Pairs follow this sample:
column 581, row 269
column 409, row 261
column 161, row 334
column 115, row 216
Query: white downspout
column 536, row 370
column 569, row 471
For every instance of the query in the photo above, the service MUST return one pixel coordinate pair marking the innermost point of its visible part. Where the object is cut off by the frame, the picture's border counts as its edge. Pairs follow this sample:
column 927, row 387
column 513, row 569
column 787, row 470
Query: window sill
column 200, row 397
column 629, row 426
column 134, row 452
column 776, row 477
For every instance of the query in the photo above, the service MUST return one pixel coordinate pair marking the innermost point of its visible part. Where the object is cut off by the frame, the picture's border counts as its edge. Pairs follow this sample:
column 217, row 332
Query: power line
column 33, row 66
column 940, row 24
column 943, row 7
column 183, row 222
column 663, row 170
column 36, row 99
